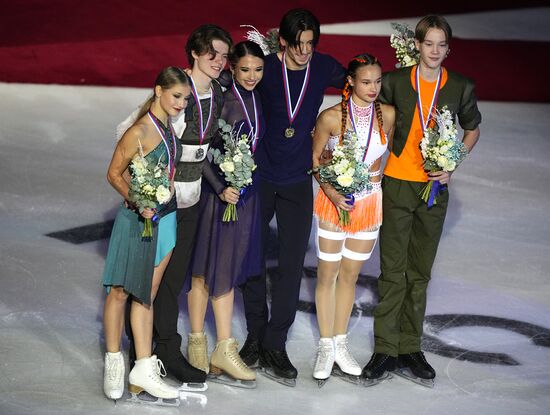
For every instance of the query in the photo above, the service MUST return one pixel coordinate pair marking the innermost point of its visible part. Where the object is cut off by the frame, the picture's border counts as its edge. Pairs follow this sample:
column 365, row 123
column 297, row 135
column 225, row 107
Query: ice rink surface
column 488, row 317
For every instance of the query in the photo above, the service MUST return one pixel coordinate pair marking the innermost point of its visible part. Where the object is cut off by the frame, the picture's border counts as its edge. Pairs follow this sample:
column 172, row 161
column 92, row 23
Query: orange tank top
column 410, row 164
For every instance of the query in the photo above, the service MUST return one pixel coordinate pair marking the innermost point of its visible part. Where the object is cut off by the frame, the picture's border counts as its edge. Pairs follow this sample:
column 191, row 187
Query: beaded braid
column 346, row 94
column 380, row 119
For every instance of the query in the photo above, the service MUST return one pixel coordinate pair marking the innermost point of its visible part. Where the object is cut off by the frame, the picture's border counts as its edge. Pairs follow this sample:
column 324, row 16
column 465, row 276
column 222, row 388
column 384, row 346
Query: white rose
column 442, row 162
column 350, row 172
column 344, row 181
column 163, row 194
column 237, row 158
column 148, row 188
column 227, row 167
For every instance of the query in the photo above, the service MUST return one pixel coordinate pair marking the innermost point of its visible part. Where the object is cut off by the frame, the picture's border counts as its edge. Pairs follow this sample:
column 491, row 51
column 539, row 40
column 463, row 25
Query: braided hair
column 356, row 63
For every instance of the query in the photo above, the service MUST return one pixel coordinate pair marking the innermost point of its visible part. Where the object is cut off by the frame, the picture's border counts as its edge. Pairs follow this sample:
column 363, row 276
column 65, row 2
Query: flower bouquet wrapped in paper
column 149, row 188
column 236, row 163
column 442, row 151
column 345, row 173
column 403, row 43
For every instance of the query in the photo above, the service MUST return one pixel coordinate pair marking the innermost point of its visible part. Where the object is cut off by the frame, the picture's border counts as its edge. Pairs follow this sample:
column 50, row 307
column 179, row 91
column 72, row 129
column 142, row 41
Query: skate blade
column 372, row 382
column 191, row 398
column 321, row 382
column 254, row 365
column 406, row 373
column 227, row 380
column 268, row 373
column 193, row 387
column 147, row 399
column 336, row 371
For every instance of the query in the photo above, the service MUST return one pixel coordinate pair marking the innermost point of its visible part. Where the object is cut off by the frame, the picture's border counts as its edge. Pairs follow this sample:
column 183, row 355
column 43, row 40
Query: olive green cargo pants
column 409, row 238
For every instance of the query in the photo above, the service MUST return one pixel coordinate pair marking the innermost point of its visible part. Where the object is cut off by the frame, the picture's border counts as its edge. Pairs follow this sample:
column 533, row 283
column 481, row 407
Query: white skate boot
column 346, row 366
column 146, row 377
column 113, row 375
column 324, row 360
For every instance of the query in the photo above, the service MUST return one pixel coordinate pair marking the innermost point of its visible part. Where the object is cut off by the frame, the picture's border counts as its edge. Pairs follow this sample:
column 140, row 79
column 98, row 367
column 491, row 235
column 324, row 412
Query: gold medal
column 289, row 132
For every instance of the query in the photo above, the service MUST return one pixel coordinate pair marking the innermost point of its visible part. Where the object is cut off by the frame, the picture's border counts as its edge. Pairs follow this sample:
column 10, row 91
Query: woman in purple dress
column 227, row 253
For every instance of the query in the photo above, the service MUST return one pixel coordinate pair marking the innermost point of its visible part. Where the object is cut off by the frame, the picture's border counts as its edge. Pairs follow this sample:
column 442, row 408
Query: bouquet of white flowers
column 441, row 150
column 345, row 173
column 149, row 188
column 236, row 163
column 403, row 43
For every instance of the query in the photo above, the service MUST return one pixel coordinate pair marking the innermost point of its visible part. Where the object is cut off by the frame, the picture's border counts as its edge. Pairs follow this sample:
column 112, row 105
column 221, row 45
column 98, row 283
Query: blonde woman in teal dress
column 134, row 267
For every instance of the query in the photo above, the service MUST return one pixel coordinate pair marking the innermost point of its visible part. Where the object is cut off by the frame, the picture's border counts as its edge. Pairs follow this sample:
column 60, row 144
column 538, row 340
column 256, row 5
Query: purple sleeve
column 337, row 73
column 210, row 174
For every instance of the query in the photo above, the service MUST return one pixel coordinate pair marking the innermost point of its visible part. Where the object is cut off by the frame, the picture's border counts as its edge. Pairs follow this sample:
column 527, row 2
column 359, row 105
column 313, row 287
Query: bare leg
column 197, row 301
column 223, row 313
column 359, row 250
column 113, row 318
column 327, row 274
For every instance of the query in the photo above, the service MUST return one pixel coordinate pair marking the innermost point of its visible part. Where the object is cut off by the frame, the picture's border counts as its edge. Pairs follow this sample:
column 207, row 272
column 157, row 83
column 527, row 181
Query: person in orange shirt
column 411, row 230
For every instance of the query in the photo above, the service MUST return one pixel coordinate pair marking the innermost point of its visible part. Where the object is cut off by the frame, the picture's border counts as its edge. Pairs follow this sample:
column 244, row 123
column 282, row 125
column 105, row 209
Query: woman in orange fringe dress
column 342, row 249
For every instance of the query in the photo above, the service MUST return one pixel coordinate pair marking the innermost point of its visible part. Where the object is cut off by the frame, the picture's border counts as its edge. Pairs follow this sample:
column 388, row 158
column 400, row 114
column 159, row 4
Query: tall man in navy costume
column 292, row 91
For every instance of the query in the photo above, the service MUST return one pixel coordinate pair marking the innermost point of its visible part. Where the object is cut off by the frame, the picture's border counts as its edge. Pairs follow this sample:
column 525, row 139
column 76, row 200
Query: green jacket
column 457, row 94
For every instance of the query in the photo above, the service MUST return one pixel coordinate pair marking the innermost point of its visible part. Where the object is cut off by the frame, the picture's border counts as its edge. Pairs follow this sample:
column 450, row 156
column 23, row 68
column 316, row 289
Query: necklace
column 167, row 136
column 254, row 128
column 199, row 154
column 293, row 112
column 364, row 123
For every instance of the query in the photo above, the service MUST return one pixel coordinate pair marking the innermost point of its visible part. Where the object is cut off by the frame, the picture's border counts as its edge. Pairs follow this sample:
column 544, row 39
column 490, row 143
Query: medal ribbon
column 254, row 129
column 351, row 116
column 161, row 130
column 202, row 131
column 423, row 124
column 293, row 112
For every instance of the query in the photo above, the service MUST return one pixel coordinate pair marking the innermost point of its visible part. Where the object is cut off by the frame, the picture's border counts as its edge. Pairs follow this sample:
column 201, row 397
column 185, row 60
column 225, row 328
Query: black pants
column 293, row 206
column 165, row 333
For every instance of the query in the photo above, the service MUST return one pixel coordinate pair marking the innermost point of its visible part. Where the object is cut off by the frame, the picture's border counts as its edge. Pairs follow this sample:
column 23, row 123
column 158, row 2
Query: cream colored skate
column 197, row 351
column 227, row 367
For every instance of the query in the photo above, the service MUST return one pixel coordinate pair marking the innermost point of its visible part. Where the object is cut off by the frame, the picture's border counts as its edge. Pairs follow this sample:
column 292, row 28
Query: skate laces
column 113, row 368
column 343, row 353
column 160, row 370
column 324, row 351
column 233, row 354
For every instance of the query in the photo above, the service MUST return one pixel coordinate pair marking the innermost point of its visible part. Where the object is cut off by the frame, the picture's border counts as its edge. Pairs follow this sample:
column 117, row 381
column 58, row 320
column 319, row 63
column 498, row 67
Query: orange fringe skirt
column 365, row 216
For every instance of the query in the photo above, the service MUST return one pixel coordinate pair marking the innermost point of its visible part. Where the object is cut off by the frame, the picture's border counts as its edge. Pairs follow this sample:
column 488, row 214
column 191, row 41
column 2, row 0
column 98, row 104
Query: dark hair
column 245, row 48
column 296, row 21
column 166, row 79
column 200, row 41
column 432, row 21
column 356, row 63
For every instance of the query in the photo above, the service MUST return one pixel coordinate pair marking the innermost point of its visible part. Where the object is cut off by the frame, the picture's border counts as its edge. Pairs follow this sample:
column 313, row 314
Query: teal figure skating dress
column 130, row 260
